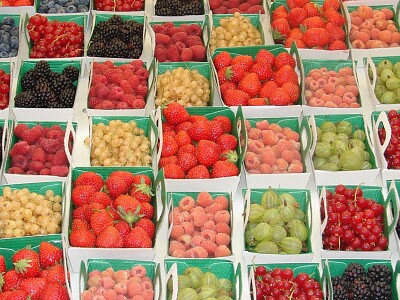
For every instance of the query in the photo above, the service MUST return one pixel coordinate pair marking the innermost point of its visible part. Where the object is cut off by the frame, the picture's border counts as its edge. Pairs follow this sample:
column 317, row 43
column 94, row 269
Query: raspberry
column 36, row 166
column 99, row 79
column 223, row 228
column 204, row 199
column 222, row 239
column 55, row 134
column 121, row 105
column 179, row 37
column 116, row 93
column 102, row 91
column 199, row 218
column 223, row 201
column 256, row 9
column 214, row 208
column 142, row 72
column 19, row 161
column 244, row 6
column 180, row 46
column 21, row 147
column 233, row 3
column 94, row 101
column 158, row 28
column 31, row 136
column 125, row 86
column 173, row 30
column 220, row 10
column 19, row 129
column 15, row 170
column 110, row 72
column 45, row 171
column 173, row 53
column 193, row 40
column 160, row 53
column 61, row 171
column 186, row 203
column 199, row 52
column 128, row 99
column 188, row 227
column 162, row 39
column 106, row 104
column 198, row 172
column 60, row 158
column 222, row 250
column 50, row 145
column 38, row 154
column 209, row 235
column 210, row 247
column 186, row 54
column 215, row 4
column 200, row 252
column 139, row 103
column 141, row 90
column 254, row 2
column 222, row 216
column 134, row 81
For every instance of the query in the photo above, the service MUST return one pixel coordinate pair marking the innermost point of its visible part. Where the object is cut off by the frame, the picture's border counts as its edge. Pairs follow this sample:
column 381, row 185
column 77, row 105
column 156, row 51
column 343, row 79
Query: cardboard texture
column 349, row 177
column 390, row 217
column 77, row 254
column 288, row 180
column 303, row 197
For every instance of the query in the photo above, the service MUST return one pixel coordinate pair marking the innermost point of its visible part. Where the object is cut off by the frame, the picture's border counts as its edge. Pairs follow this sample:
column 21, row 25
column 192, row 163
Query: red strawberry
column 257, row 102
column 263, row 71
column 267, row 89
column 337, row 45
column 316, row 37
column 314, row 22
column 224, row 168
column 312, row 9
column 80, row 212
column 81, row 194
column 221, row 60
column 198, row 172
column 91, row 208
column 54, row 291
column 33, row 286
column 229, row 155
column 138, row 238
column 296, row 16
column 127, row 176
column 235, row 73
column 235, row 97
column 222, row 75
column 49, row 255
column 169, row 146
column 123, row 228
column 173, row 171
column 334, row 17
column 283, row 59
column 227, row 86
column 280, row 29
column 265, row 56
column 331, row 4
column 299, row 43
column 200, row 131
column 100, row 220
column 167, row 160
column 245, row 61
column 54, row 274
column 175, row 113
column 146, row 210
column 216, row 129
column 207, row 152
column 336, row 32
column 109, row 238
column 285, row 74
column 188, row 148
column 128, row 203
column 148, row 226
column 10, row 280
column 26, row 262
column 227, row 142
column 250, row 84
column 279, row 97
column 140, row 178
column 100, row 197
column 225, row 122
column 187, row 161
column 293, row 91
column 141, row 192
column 184, row 126
column 79, row 224
column 82, row 238
column 182, row 138
column 116, row 186
column 16, row 295
column 3, row 267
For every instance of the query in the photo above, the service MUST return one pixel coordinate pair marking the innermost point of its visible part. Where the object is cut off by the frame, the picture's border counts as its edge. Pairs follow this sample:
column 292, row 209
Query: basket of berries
column 193, row 10
column 11, row 24
column 6, row 69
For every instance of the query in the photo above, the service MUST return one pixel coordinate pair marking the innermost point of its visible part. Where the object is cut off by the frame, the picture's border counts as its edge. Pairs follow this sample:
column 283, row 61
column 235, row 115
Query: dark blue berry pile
column 9, row 37
column 63, row 6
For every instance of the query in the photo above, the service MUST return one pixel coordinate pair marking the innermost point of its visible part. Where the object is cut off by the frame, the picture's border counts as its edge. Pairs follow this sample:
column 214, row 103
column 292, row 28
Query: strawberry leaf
column 22, row 265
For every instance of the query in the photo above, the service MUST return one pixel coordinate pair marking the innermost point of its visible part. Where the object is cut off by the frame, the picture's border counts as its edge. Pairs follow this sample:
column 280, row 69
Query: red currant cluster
column 392, row 153
column 54, row 39
column 281, row 284
column 355, row 223
column 119, row 5
column 4, row 89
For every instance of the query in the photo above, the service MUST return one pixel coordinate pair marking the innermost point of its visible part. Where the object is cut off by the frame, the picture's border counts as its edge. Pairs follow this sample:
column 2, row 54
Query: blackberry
column 29, row 80
column 59, row 82
column 71, row 72
column 354, row 271
column 115, row 20
column 42, row 69
column 44, row 95
column 194, row 7
column 340, row 287
column 25, row 100
column 111, row 32
column 97, row 49
column 359, row 290
column 380, row 272
column 381, row 291
column 67, row 97
column 178, row 7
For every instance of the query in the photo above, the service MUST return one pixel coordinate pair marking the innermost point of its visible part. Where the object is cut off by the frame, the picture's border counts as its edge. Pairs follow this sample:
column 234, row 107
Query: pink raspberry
column 60, row 158
column 19, row 129
column 31, row 136
column 125, row 86
column 106, row 104
column 139, row 103
column 94, row 101
column 223, row 228
column 98, row 79
column 50, row 145
column 186, row 54
column 180, row 46
column 160, row 53
column 21, row 147
column 127, row 73
column 15, row 170
column 116, row 93
column 129, row 99
column 38, row 154
column 162, row 39
column 222, row 250
column 19, row 161
column 194, row 29
column 222, row 239
column 116, row 78
column 134, row 81
column 179, row 37
column 210, row 247
column 61, row 171
column 199, row 52
column 36, row 166
column 141, row 90
column 173, row 53
column 102, row 91
column 222, row 216
column 143, row 73
column 92, row 91
column 44, row 171
column 199, row 218
column 204, row 199
column 173, row 30
column 159, row 28
column 193, row 40
column 122, row 105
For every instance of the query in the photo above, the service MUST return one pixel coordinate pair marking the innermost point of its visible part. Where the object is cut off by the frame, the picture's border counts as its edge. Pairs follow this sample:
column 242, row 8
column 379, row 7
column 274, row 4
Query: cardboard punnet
column 381, row 120
column 46, row 114
column 312, row 269
column 359, row 54
column 173, row 199
column 221, row 268
column 371, row 63
column 152, row 271
column 330, row 65
column 395, row 185
column 18, row 21
column 77, row 254
column 9, row 67
column 306, row 53
column 287, row 180
column 7, row 125
column 349, row 177
column 303, row 197
column 390, row 217
column 146, row 123
column 336, row 267
column 121, row 112
column 9, row 247
column 222, row 184
column 69, row 129
column 264, row 111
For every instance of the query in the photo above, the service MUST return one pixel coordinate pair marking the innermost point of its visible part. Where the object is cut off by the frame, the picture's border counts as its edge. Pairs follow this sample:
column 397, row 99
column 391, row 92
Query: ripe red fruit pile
column 17, row 3
column 54, row 39
column 114, row 213
column 232, row 6
column 355, row 223
column 309, row 25
column 4, row 89
column 120, row 5
column 282, row 284
column 265, row 80
column 118, row 87
column 195, row 147
column 179, row 43
column 39, row 151
column 36, row 275
column 392, row 153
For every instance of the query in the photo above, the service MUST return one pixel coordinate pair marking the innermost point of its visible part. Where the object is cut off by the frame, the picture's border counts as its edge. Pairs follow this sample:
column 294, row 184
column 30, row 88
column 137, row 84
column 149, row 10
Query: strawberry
column 293, row 91
column 263, row 71
column 331, row 4
column 337, row 45
column 336, row 32
column 299, row 43
column 227, row 142
column 312, row 9
column 229, row 155
column 116, row 186
column 138, row 238
column 316, row 37
column 257, row 102
column 100, row 220
column 10, row 280
column 187, row 161
column 140, row 178
column 279, row 97
column 82, row 238
column 54, row 274
column 207, row 152
column 91, row 209
column 334, row 17
column 235, row 73
column 283, row 59
column 169, row 146
column 280, row 29
column 296, row 33
column 54, row 291
column 80, row 212
column 279, row 15
column 33, row 286
column 265, row 56
column 109, row 238
column 267, row 89
column 227, row 86
column 79, row 224
column 225, row 122
column 167, row 160
column 173, row 171
column 141, row 192
column 222, row 60
column 235, row 97
column 285, row 74
column 49, row 255
column 3, row 267
column 16, row 295
column 128, row 203
column 123, row 228
column 175, row 113
column 222, row 75
column 90, row 178
column 200, row 131
column 198, row 172
column 244, row 61
column 188, row 148
column 297, row 3
column 184, row 126
column 146, row 210
column 314, row 22
column 296, row 16
column 100, row 197
column 216, row 129
column 81, row 194
column 148, row 226
column 26, row 262
column 224, row 168
column 197, row 118
column 127, row 176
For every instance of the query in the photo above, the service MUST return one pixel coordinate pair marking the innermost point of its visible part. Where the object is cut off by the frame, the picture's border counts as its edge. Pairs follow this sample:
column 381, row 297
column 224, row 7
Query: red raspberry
column 194, row 29
column 173, row 53
column 60, row 158
column 180, row 46
column 179, row 37
column 199, row 53
column 45, row 171
column 220, row 10
column 111, row 72
column 159, row 28
column 162, row 39
column 173, row 30
column 143, row 73
column 127, row 73
column 141, row 90
column 61, row 171
column 125, row 86
column 139, row 103
column 21, row 147
column 50, row 145
column 36, row 166
column 128, row 99
column 92, row 91
column 106, row 104
column 121, row 105
column 19, row 161
column 116, row 93
column 256, row 9
column 215, row 4
column 55, row 134
column 102, row 91
column 160, row 53
column 116, row 78
column 193, row 40
column 32, row 135
column 94, row 101
column 134, row 81
column 19, row 129
column 244, row 6
column 98, row 79
column 38, row 154
column 186, row 54
column 15, row 170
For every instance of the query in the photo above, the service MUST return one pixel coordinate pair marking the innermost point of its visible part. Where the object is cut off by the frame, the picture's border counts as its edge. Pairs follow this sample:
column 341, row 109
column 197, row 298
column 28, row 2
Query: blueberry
column 71, row 9
column 52, row 11
column 84, row 2
column 51, row 4
column 82, row 8
column 14, row 42
column 8, row 21
column 62, row 2
column 3, row 54
column 14, row 31
column 74, row 2
column 6, row 38
column 5, row 27
column 42, row 9
column 61, row 11
column 4, row 47
column 44, row 2
column 58, row 6
column 13, row 52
